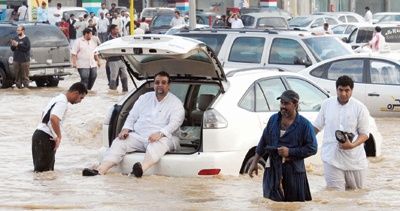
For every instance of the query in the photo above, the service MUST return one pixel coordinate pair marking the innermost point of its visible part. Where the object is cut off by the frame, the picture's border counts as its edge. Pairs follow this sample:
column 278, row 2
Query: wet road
column 66, row 189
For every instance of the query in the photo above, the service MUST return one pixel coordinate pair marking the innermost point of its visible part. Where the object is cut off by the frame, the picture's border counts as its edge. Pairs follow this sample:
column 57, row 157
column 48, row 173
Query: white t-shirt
column 59, row 12
column 175, row 21
column 377, row 43
column 22, row 13
column 102, row 11
column 352, row 117
column 59, row 109
column 144, row 26
column 368, row 16
column 236, row 23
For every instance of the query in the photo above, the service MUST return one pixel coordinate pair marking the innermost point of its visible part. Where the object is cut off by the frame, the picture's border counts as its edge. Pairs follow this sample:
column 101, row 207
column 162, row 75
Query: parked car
column 290, row 50
column 185, row 27
column 376, row 17
column 225, row 113
column 363, row 34
column 160, row 23
column 264, row 21
column 344, row 17
column 377, row 80
column 313, row 23
column 150, row 12
column 390, row 18
column 344, row 29
column 66, row 12
column 50, row 54
column 269, row 11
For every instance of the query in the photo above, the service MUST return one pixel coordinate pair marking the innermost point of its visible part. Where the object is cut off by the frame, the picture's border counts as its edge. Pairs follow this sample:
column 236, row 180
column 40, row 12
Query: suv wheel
column 48, row 81
column 261, row 164
column 4, row 81
column 52, row 82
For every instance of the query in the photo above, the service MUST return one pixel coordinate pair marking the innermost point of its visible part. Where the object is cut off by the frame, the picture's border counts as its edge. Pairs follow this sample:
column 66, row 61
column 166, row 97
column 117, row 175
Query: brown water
column 66, row 189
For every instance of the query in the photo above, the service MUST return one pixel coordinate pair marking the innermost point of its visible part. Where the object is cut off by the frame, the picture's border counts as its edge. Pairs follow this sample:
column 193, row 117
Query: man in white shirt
column 118, row 21
column 47, row 137
column 368, row 15
column 93, row 18
column 80, row 26
column 102, row 10
column 378, row 40
column 102, row 27
column 150, row 126
column 143, row 25
column 58, row 14
column 327, row 30
column 177, row 20
column 345, row 164
column 22, row 12
column 235, row 21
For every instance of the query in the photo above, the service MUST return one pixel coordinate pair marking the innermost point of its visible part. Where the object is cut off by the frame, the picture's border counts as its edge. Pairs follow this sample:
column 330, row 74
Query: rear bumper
column 53, row 71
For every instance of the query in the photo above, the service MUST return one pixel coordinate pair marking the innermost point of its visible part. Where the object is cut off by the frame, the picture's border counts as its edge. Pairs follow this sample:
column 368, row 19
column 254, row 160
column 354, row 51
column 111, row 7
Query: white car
column 376, row 80
column 313, row 23
column 225, row 114
column 344, row 17
column 186, row 27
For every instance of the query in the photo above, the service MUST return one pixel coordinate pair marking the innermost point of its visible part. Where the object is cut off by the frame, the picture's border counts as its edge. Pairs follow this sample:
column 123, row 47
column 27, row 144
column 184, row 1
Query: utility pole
column 132, row 17
column 192, row 14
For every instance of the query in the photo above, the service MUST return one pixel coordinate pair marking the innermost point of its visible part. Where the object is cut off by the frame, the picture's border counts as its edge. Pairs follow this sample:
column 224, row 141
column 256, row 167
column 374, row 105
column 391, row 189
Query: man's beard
column 160, row 91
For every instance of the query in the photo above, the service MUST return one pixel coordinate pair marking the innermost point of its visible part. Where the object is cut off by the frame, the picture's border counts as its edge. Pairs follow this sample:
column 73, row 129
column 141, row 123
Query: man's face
column 176, row 15
column 77, row 97
column 161, row 85
column 43, row 6
column 344, row 93
column 113, row 6
column 88, row 36
column 20, row 32
column 115, row 31
column 103, row 6
column 102, row 15
column 287, row 109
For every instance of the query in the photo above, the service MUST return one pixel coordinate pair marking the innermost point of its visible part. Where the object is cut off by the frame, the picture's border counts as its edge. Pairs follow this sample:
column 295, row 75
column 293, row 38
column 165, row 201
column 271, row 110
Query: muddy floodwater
column 66, row 189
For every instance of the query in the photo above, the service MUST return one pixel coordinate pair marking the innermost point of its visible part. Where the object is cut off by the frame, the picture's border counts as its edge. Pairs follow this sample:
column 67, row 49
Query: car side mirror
column 302, row 61
column 344, row 39
column 314, row 25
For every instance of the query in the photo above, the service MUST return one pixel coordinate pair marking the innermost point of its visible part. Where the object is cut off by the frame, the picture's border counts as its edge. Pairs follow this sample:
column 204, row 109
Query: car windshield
column 301, row 22
column 41, row 36
column 162, row 20
column 274, row 22
column 149, row 13
column 214, row 41
column 377, row 16
column 76, row 13
column 326, row 47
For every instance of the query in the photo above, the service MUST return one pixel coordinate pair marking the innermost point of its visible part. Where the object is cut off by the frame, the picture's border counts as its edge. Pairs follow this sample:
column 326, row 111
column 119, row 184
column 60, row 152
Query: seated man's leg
column 155, row 151
column 355, row 179
column 334, row 177
column 117, row 151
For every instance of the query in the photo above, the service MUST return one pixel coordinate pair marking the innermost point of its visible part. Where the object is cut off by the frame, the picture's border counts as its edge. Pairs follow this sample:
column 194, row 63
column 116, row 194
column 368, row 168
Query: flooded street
column 66, row 189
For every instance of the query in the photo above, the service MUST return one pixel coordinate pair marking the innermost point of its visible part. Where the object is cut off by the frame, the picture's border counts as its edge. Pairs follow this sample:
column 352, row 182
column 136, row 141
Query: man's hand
column 283, row 151
column 155, row 137
column 347, row 144
column 98, row 63
column 253, row 169
column 58, row 141
column 123, row 134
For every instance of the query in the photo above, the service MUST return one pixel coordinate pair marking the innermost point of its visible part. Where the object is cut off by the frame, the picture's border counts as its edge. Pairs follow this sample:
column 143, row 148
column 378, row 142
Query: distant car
column 150, row 12
column 184, row 27
column 390, row 18
column 377, row 80
column 225, row 113
column 66, row 12
column 377, row 17
column 363, row 34
column 344, row 29
column 50, row 54
column 264, row 21
column 312, row 23
column 269, row 11
column 160, row 23
column 344, row 17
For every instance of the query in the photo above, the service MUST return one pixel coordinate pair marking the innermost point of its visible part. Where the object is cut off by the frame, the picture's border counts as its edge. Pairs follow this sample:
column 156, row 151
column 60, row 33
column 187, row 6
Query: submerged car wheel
column 261, row 164
column 4, row 81
column 52, row 82
column 40, row 82
column 48, row 81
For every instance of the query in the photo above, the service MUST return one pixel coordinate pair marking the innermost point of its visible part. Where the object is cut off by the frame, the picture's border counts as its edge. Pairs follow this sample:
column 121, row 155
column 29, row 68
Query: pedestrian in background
column 102, row 27
column 102, row 10
column 368, row 15
column 23, row 12
column 177, row 19
column 287, row 139
column 21, row 46
column 345, row 164
column 10, row 13
column 47, row 137
column 327, row 30
column 58, row 14
column 42, row 15
column 236, row 22
column 64, row 27
column 144, row 26
column 117, row 20
column 80, row 26
column 72, row 30
column 84, row 58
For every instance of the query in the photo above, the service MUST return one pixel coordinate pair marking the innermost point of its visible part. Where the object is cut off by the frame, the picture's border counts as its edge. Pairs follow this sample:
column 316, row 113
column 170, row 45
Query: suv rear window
column 214, row 41
column 391, row 34
column 247, row 50
column 39, row 36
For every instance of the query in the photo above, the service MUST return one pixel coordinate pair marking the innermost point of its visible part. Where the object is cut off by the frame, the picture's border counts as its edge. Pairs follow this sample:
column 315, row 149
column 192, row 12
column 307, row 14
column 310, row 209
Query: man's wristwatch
column 162, row 134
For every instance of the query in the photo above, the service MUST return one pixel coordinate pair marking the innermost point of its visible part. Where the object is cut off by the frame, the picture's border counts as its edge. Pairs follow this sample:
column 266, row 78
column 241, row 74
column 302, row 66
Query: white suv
column 225, row 114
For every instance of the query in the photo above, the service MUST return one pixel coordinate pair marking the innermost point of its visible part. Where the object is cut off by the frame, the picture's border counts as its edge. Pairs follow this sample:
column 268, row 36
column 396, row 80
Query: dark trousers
column 21, row 74
column 108, row 73
column 43, row 153
column 88, row 76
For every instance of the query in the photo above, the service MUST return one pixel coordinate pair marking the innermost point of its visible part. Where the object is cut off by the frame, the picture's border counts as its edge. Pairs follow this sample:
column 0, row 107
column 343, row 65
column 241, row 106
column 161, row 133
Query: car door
column 284, row 52
column 245, row 51
column 383, row 89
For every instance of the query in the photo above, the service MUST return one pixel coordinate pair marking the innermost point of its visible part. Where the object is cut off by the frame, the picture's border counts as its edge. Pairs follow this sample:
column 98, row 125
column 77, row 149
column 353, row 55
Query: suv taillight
column 212, row 119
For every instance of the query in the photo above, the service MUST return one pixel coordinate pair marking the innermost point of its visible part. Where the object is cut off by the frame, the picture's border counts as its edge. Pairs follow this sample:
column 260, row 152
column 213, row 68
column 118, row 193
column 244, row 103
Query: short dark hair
column 78, row 86
column 378, row 29
column 137, row 24
column 91, row 13
column 113, row 26
column 345, row 80
column 87, row 31
column 163, row 74
column 63, row 19
column 22, row 27
column 326, row 24
column 24, row 3
column 177, row 12
column 143, row 19
column 85, row 15
column 367, row 8
column 103, row 4
column 71, row 15
column 59, row 5
column 113, row 4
